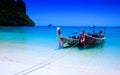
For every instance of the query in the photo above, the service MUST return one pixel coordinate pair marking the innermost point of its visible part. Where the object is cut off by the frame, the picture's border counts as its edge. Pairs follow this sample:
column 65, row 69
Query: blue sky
column 74, row 12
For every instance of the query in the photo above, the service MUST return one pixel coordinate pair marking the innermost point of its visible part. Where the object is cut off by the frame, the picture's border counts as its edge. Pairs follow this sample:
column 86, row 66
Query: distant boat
column 93, row 27
column 91, row 39
column 50, row 25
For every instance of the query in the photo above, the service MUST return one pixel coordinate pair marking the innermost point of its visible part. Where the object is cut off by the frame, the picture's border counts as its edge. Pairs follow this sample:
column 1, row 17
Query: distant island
column 13, row 13
column 117, row 26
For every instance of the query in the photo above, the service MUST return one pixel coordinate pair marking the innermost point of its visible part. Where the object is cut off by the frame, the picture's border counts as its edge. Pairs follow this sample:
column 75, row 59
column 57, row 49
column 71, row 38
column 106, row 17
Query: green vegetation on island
column 13, row 13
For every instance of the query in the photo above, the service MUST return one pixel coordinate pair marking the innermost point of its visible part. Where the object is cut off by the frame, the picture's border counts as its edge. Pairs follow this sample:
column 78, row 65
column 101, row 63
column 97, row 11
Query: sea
column 41, row 41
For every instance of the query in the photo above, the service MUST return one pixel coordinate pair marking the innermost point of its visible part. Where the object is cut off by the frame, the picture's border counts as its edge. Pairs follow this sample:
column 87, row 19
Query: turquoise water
column 108, row 55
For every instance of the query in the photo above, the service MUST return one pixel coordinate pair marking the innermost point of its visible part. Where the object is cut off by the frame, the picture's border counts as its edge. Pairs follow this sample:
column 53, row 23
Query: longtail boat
column 91, row 39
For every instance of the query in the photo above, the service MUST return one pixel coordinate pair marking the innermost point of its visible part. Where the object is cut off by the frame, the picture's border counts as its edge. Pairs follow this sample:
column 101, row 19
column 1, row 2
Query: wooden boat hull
column 70, row 41
column 89, row 41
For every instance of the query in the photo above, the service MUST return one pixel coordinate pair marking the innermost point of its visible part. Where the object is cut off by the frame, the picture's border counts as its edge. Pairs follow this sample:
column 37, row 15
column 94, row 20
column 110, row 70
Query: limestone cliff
column 13, row 13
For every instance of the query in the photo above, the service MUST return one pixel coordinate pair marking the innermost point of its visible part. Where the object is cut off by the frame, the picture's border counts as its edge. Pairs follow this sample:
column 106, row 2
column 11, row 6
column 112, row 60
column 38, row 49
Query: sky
column 74, row 12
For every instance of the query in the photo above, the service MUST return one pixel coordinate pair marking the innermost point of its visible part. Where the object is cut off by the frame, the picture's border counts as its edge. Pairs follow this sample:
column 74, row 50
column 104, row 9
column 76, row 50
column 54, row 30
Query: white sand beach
column 18, row 59
column 9, row 67
column 15, row 57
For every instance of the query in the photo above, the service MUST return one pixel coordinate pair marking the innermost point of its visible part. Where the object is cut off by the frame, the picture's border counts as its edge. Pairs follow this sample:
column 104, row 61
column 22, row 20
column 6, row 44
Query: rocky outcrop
column 13, row 13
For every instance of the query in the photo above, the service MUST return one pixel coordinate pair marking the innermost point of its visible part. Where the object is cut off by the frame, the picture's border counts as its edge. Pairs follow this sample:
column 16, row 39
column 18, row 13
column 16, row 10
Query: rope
column 44, row 63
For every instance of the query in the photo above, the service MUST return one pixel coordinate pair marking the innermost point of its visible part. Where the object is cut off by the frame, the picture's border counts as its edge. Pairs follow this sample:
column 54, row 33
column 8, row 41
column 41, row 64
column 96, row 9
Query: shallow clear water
column 108, row 55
